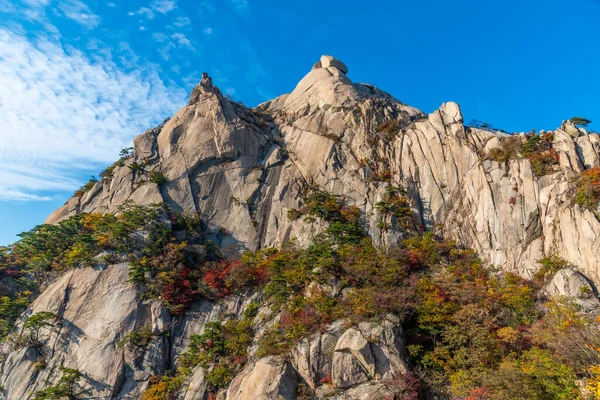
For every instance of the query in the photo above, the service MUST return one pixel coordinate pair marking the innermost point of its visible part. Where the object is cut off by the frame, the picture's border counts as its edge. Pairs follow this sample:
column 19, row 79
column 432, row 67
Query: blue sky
column 80, row 78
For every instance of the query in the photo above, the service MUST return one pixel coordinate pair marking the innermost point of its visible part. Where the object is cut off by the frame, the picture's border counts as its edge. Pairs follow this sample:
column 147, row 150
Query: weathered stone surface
column 570, row 283
column 312, row 358
column 195, row 388
column 270, row 378
column 369, row 351
column 353, row 360
column 219, row 160
column 96, row 307
column 242, row 170
column 367, row 391
column 330, row 61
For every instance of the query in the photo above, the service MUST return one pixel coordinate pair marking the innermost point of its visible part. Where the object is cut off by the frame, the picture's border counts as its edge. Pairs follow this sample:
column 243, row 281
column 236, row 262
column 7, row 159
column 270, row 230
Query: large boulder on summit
column 330, row 61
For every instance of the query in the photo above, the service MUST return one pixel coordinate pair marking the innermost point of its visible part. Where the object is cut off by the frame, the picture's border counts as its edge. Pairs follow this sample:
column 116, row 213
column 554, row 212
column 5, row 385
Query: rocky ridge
column 242, row 170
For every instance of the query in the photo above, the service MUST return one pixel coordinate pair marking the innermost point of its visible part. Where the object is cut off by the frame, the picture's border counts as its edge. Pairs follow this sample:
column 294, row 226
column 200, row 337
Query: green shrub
column 580, row 122
column 587, row 190
column 136, row 338
column 219, row 376
column 549, row 267
column 396, row 203
column 484, row 125
column 157, row 177
column 508, row 150
column 344, row 221
column 251, row 310
column 389, row 129
column 86, row 188
column 38, row 324
column 66, row 388
column 137, row 168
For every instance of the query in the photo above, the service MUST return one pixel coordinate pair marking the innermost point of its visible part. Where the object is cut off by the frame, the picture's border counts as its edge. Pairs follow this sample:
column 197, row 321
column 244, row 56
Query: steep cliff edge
column 158, row 315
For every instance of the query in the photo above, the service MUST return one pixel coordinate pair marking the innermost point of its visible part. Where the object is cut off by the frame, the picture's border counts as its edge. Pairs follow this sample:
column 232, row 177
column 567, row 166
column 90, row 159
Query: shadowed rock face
column 243, row 169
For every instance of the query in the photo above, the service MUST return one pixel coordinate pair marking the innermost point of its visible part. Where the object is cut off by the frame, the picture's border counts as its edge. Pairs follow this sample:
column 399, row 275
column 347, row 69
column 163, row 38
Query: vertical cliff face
column 244, row 169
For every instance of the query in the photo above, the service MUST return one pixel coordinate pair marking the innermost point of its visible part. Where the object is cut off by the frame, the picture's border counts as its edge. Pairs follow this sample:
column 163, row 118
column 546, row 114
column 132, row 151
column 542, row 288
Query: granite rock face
column 243, row 169
column 95, row 309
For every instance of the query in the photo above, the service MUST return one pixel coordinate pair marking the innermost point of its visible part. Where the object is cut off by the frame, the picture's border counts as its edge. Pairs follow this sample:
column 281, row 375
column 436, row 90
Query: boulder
column 369, row 351
column 367, row 391
column 570, row 128
column 330, row 61
column 270, row 378
column 196, row 385
column 570, row 283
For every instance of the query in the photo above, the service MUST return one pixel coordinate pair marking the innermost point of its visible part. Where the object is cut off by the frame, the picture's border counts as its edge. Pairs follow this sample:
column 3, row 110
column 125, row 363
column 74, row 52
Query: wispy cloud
column 208, row 31
column 157, row 6
column 180, row 22
column 168, row 43
column 182, row 40
column 65, row 113
column 79, row 12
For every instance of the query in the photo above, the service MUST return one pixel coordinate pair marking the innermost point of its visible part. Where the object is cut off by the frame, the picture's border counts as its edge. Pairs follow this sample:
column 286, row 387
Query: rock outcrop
column 570, row 283
column 242, row 170
column 96, row 308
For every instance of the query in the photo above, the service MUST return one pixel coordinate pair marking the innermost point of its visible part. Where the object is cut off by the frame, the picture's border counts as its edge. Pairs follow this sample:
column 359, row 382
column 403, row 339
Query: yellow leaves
column 508, row 335
column 461, row 382
column 564, row 313
column 90, row 220
column 593, row 383
column 79, row 252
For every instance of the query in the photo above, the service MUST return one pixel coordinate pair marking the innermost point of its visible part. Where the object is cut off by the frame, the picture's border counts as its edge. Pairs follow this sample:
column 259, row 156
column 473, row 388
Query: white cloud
column 180, row 22
column 208, row 31
column 79, row 12
column 168, row 43
column 157, row 6
column 19, row 197
column 163, row 6
column 111, row 4
column 64, row 114
column 182, row 40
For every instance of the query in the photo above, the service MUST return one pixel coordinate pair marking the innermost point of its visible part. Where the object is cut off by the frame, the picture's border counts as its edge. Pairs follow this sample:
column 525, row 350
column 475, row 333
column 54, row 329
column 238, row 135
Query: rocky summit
column 334, row 167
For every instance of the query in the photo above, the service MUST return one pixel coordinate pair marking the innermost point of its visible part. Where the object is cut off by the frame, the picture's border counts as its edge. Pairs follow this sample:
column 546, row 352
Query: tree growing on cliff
column 580, row 121
column 67, row 387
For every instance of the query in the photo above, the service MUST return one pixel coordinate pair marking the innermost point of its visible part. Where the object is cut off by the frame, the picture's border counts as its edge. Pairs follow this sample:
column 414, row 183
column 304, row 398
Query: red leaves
column 480, row 393
column 180, row 294
column 416, row 258
column 215, row 278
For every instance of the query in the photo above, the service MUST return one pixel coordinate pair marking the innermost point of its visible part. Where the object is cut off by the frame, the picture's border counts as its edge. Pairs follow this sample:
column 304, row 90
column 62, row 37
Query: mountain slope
column 243, row 169
column 353, row 178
